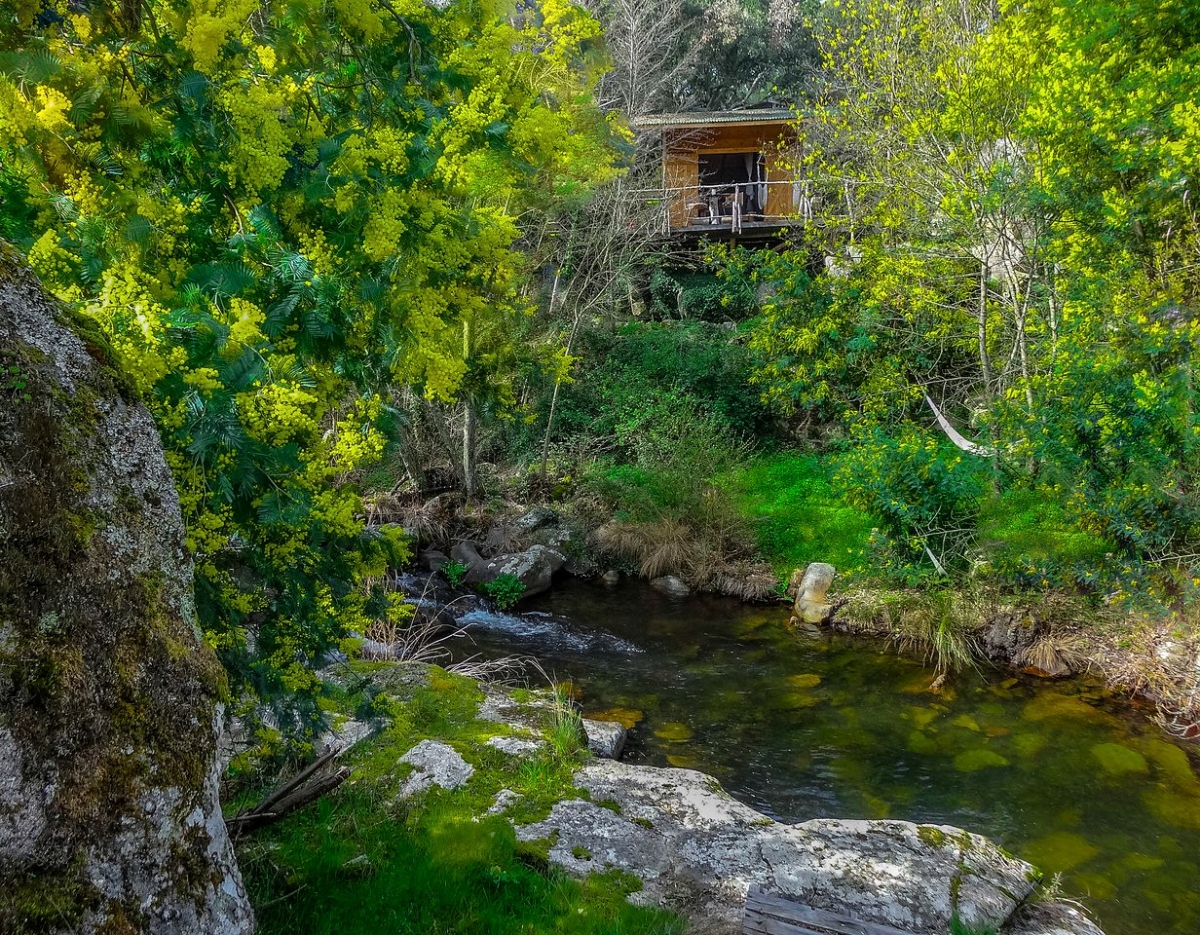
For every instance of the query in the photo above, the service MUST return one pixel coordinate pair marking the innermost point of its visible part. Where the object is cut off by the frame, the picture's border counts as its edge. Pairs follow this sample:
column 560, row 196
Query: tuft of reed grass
column 940, row 625
column 420, row 638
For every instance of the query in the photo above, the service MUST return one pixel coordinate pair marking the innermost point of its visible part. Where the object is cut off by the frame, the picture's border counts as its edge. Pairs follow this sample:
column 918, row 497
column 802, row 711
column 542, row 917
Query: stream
column 817, row 724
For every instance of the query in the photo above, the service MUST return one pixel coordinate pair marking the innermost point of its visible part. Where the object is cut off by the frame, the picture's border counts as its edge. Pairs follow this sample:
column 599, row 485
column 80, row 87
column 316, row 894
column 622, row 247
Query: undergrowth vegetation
column 363, row 862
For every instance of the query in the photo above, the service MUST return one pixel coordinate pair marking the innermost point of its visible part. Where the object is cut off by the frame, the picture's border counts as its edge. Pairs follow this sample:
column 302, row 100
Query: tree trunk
column 470, row 483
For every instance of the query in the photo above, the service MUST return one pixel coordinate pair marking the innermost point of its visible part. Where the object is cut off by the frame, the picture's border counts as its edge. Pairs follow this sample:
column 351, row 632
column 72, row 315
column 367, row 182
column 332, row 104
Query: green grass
column 799, row 517
column 348, row 867
column 361, row 863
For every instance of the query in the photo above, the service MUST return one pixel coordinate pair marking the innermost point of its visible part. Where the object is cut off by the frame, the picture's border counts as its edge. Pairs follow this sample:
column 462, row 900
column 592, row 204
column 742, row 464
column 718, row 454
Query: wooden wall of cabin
column 681, row 170
column 683, row 148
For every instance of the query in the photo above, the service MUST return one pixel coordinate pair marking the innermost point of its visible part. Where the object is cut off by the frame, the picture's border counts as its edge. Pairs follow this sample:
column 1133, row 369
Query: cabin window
column 743, row 173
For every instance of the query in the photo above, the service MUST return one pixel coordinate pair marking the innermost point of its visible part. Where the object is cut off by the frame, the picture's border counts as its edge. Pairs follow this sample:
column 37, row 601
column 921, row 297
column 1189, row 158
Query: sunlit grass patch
column 799, row 517
column 352, row 867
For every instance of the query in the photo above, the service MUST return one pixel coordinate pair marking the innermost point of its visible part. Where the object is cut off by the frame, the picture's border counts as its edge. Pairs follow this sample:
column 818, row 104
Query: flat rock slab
column 531, row 716
column 698, row 850
column 515, row 746
column 435, row 764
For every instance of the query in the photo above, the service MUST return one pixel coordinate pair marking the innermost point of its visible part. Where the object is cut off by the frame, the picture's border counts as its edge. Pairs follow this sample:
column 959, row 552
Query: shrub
column 505, row 590
column 455, row 572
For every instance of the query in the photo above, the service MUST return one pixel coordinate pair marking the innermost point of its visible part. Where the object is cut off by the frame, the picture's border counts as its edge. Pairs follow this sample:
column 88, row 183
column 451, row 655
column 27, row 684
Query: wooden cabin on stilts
column 727, row 174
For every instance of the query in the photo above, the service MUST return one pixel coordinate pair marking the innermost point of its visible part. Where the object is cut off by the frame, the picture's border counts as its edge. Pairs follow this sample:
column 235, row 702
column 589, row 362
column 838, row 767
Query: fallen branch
column 306, row 786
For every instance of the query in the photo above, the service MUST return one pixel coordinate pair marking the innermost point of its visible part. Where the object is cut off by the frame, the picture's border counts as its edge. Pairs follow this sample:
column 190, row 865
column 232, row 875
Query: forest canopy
column 270, row 213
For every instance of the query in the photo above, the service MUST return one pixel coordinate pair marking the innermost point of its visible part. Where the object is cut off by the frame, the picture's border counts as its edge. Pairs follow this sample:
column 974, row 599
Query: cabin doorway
column 739, row 177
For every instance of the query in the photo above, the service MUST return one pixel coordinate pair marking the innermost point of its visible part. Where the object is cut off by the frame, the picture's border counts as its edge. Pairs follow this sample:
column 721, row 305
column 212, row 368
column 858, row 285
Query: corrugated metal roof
column 656, row 121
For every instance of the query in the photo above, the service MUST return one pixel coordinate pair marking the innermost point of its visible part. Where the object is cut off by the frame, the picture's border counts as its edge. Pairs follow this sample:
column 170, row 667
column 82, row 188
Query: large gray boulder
column 605, row 738
column 698, row 850
column 109, row 713
column 534, row 568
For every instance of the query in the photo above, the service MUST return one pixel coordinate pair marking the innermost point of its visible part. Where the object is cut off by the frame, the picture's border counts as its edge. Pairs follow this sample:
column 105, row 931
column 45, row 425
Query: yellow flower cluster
column 279, row 413
column 212, row 24
column 245, row 325
column 259, row 143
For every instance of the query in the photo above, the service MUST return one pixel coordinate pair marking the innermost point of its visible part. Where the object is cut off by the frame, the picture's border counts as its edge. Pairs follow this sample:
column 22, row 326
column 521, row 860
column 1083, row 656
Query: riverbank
column 1045, row 632
column 467, row 802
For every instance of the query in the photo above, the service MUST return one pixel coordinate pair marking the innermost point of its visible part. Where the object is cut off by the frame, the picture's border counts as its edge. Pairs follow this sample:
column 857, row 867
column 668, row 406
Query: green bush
column 925, row 495
column 630, row 377
column 455, row 572
column 505, row 590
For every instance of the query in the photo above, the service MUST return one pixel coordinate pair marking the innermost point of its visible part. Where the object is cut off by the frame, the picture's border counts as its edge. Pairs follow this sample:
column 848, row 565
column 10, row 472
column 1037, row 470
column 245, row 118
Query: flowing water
column 822, row 725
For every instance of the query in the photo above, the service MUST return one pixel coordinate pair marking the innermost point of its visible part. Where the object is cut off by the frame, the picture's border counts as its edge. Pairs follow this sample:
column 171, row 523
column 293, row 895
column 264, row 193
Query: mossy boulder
column 109, row 702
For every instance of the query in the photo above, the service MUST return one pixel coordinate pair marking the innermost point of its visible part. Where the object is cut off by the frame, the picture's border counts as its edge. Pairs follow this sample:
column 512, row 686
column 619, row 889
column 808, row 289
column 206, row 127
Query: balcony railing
column 735, row 207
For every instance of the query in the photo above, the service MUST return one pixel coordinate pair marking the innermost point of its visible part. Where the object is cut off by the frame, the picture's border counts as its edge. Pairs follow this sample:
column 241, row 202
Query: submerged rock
column 671, row 586
column 698, row 850
column 109, row 714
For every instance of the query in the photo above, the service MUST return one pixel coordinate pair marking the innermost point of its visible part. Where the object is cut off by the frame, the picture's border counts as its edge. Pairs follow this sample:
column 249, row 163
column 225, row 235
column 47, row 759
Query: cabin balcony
column 745, row 209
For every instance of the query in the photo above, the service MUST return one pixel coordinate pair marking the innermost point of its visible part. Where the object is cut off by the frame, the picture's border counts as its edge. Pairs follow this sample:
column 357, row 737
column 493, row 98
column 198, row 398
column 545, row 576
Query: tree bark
column 470, row 481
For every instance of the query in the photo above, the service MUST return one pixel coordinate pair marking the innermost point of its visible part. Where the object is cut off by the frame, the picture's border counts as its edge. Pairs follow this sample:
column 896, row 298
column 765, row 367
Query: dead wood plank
column 768, row 914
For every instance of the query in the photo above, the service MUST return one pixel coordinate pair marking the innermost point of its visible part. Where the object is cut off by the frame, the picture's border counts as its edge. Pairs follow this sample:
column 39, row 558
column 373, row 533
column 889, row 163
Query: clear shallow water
column 829, row 726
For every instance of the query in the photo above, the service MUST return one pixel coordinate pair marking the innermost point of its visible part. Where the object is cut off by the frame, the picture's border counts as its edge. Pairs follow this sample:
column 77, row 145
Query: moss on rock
column 107, row 696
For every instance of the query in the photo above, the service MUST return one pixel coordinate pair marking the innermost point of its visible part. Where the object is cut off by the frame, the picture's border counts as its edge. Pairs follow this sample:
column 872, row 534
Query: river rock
column 698, row 850
column 467, row 553
column 109, row 701
column 343, row 736
column 671, row 586
column 612, row 577
column 432, row 560
column 434, row 764
column 538, row 517
column 1051, row 918
column 812, row 605
column 605, row 738
column 534, row 568
column 505, row 800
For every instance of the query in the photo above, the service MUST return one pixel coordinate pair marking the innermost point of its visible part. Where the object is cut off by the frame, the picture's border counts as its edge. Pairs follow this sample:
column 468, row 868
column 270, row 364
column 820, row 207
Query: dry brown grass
column 1044, row 655
column 418, row 638
column 675, row 547
column 748, row 581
